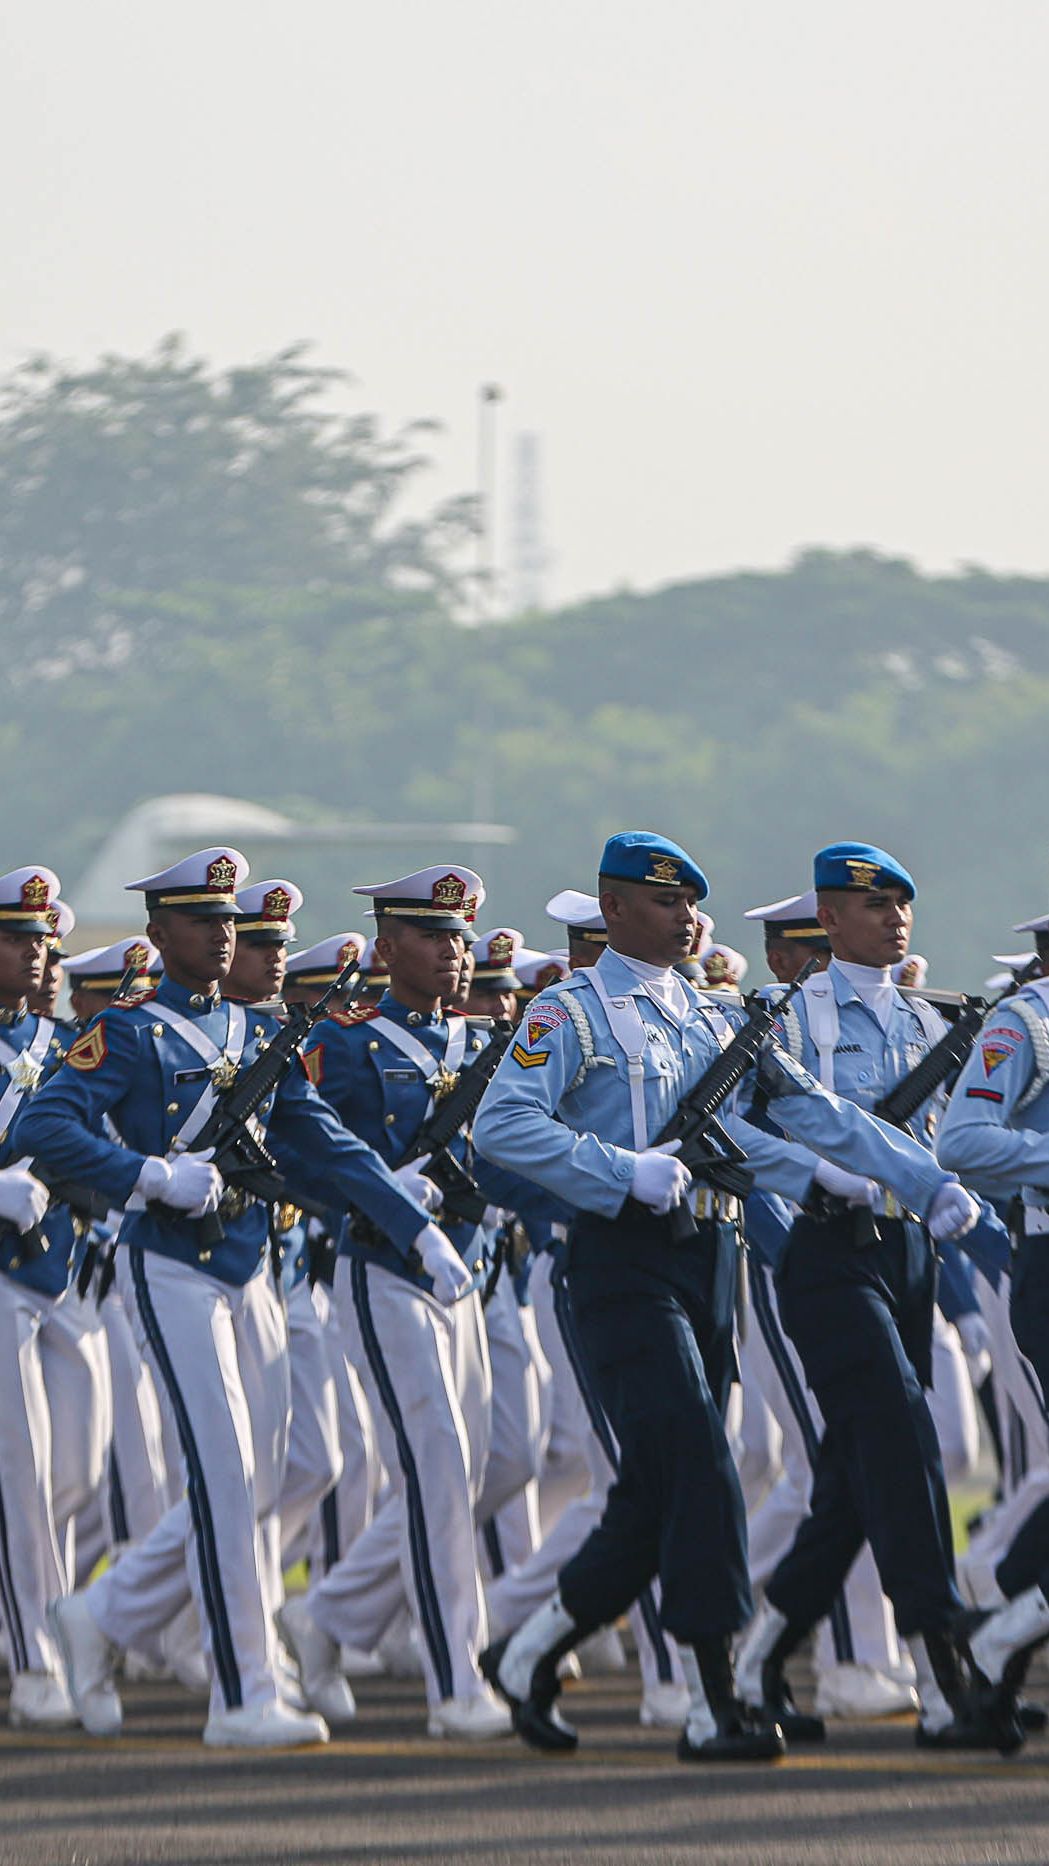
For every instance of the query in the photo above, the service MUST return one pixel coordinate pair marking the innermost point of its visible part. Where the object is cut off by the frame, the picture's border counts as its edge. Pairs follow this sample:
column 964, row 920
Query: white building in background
column 157, row 832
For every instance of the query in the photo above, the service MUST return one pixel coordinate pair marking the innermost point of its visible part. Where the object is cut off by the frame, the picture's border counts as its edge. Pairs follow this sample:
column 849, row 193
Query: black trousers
column 861, row 1320
column 654, row 1321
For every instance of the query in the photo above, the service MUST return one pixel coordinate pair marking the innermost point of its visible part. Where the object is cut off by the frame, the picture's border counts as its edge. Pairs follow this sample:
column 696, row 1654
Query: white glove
column 23, row 1200
column 852, row 1187
column 660, row 1181
column 951, row 1214
column 975, row 1338
column 189, row 1183
column 441, row 1260
column 412, row 1177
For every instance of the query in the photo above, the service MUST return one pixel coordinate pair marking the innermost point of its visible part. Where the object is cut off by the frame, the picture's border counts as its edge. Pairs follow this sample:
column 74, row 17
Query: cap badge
column 34, row 894
column 864, row 874
column 500, row 949
column 137, row 955
column 52, row 919
column 450, row 893
column 716, row 968
column 222, row 875
column 347, row 952
column 276, row 905
column 665, row 868
column 470, row 909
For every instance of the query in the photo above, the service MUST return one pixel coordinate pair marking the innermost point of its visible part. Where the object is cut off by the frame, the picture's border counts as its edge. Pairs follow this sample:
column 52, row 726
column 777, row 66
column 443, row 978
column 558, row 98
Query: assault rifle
column 706, row 1149
column 462, row 1197
column 245, row 1162
column 947, row 1056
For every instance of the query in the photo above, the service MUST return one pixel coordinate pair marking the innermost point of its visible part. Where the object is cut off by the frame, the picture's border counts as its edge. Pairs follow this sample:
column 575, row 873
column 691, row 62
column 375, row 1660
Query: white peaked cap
column 572, row 909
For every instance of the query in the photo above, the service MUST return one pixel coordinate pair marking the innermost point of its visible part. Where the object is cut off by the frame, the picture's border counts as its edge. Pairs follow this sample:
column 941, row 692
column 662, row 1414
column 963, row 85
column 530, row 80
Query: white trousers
column 952, row 1402
column 1021, row 1417
column 221, row 1353
column 584, row 1438
column 55, row 1420
column 862, row 1628
column 139, row 1479
column 427, row 1376
column 314, row 1462
column 508, row 1509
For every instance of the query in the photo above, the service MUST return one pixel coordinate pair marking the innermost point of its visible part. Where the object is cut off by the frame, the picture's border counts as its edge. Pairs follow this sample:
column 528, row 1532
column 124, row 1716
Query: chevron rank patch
column 89, row 1049
column 534, row 1061
column 313, row 1063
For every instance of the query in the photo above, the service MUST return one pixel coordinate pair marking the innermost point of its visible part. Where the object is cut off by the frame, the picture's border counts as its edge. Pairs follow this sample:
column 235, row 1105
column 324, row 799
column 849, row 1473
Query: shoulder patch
column 526, row 1061
column 89, row 1050
column 363, row 1015
column 313, row 1064
column 538, row 1023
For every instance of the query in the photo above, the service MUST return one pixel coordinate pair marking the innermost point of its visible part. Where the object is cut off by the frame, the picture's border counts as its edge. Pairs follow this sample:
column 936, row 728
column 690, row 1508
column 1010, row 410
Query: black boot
column 735, row 1734
column 981, row 1717
column 523, row 1669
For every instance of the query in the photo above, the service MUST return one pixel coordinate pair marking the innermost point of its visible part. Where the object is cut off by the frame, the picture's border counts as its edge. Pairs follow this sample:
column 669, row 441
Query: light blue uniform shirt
column 989, row 1140
column 564, row 1118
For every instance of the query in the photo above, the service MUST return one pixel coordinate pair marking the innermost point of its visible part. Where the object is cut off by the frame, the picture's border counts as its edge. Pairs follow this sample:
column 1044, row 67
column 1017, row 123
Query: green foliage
column 206, row 584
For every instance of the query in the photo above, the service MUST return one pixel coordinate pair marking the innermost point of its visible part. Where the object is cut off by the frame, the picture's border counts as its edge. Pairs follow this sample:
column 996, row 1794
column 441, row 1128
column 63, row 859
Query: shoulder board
column 355, row 1015
column 940, row 1000
column 477, row 1022
column 574, row 982
column 131, row 1004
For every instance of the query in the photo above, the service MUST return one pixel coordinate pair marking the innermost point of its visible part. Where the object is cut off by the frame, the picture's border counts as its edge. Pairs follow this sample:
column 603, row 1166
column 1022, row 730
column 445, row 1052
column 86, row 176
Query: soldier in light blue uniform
column 856, row 1294
column 996, row 1131
column 153, row 1069
column 39, row 1337
column 600, row 1065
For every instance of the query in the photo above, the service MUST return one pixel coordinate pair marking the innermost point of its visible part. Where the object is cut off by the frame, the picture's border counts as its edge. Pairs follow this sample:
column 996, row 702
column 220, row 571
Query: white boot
column 757, row 1644
column 89, row 1660
column 700, row 1723
column 602, row 1653
column 1023, row 1622
column 317, row 1657
column 264, row 1726
column 861, row 1692
column 475, row 1719
column 934, row 1712
column 543, row 1630
column 665, row 1706
column 39, row 1701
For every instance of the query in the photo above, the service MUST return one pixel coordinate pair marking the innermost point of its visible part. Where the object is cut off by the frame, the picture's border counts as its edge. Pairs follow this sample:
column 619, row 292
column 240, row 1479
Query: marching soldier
column 155, row 1069
column 656, row 1319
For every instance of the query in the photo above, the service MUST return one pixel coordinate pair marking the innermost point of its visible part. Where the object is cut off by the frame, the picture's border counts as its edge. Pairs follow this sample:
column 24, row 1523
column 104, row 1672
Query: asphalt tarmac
column 389, row 1796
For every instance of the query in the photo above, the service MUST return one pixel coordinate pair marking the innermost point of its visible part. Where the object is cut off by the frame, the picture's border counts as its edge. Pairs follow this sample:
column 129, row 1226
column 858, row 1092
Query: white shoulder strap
column 428, row 1065
column 24, row 1067
column 627, row 1027
column 1035, row 1026
column 210, row 1054
column 824, row 1023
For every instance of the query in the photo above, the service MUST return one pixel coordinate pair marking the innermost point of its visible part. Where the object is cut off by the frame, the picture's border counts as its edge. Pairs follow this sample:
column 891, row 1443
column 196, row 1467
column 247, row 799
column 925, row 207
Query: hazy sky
column 762, row 273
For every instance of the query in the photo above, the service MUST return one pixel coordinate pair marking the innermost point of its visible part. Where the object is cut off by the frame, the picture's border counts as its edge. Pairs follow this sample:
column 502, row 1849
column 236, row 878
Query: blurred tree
column 156, row 474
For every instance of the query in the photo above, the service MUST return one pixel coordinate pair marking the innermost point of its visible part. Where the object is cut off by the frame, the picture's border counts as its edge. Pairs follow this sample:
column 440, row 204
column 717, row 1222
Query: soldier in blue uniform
column 996, row 1132
column 40, row 1362
column 601, row 1065
column 153, row 1070
column 413, row 1325
column 856, row 1293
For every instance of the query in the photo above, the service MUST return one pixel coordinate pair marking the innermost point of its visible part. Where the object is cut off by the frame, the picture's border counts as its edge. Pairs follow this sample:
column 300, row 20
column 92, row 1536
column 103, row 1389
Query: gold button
column 373, row 1045
column 158, row 1030
column 172, row 1107
column 476, row 1044
column 16, row 1263
column 478, row 1266
column 260, row 1030
column 204, row 1256
column 390, row 1119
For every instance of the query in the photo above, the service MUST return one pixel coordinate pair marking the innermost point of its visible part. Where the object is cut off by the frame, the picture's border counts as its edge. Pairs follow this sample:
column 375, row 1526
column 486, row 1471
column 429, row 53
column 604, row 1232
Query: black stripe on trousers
column 418, row 1541
column 598, row 1420
column 197, row 1492
column 797, row 1399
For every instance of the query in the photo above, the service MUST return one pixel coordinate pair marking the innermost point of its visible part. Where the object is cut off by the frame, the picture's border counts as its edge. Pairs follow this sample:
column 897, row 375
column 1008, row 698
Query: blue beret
column 858, row 866
column 639, row 855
